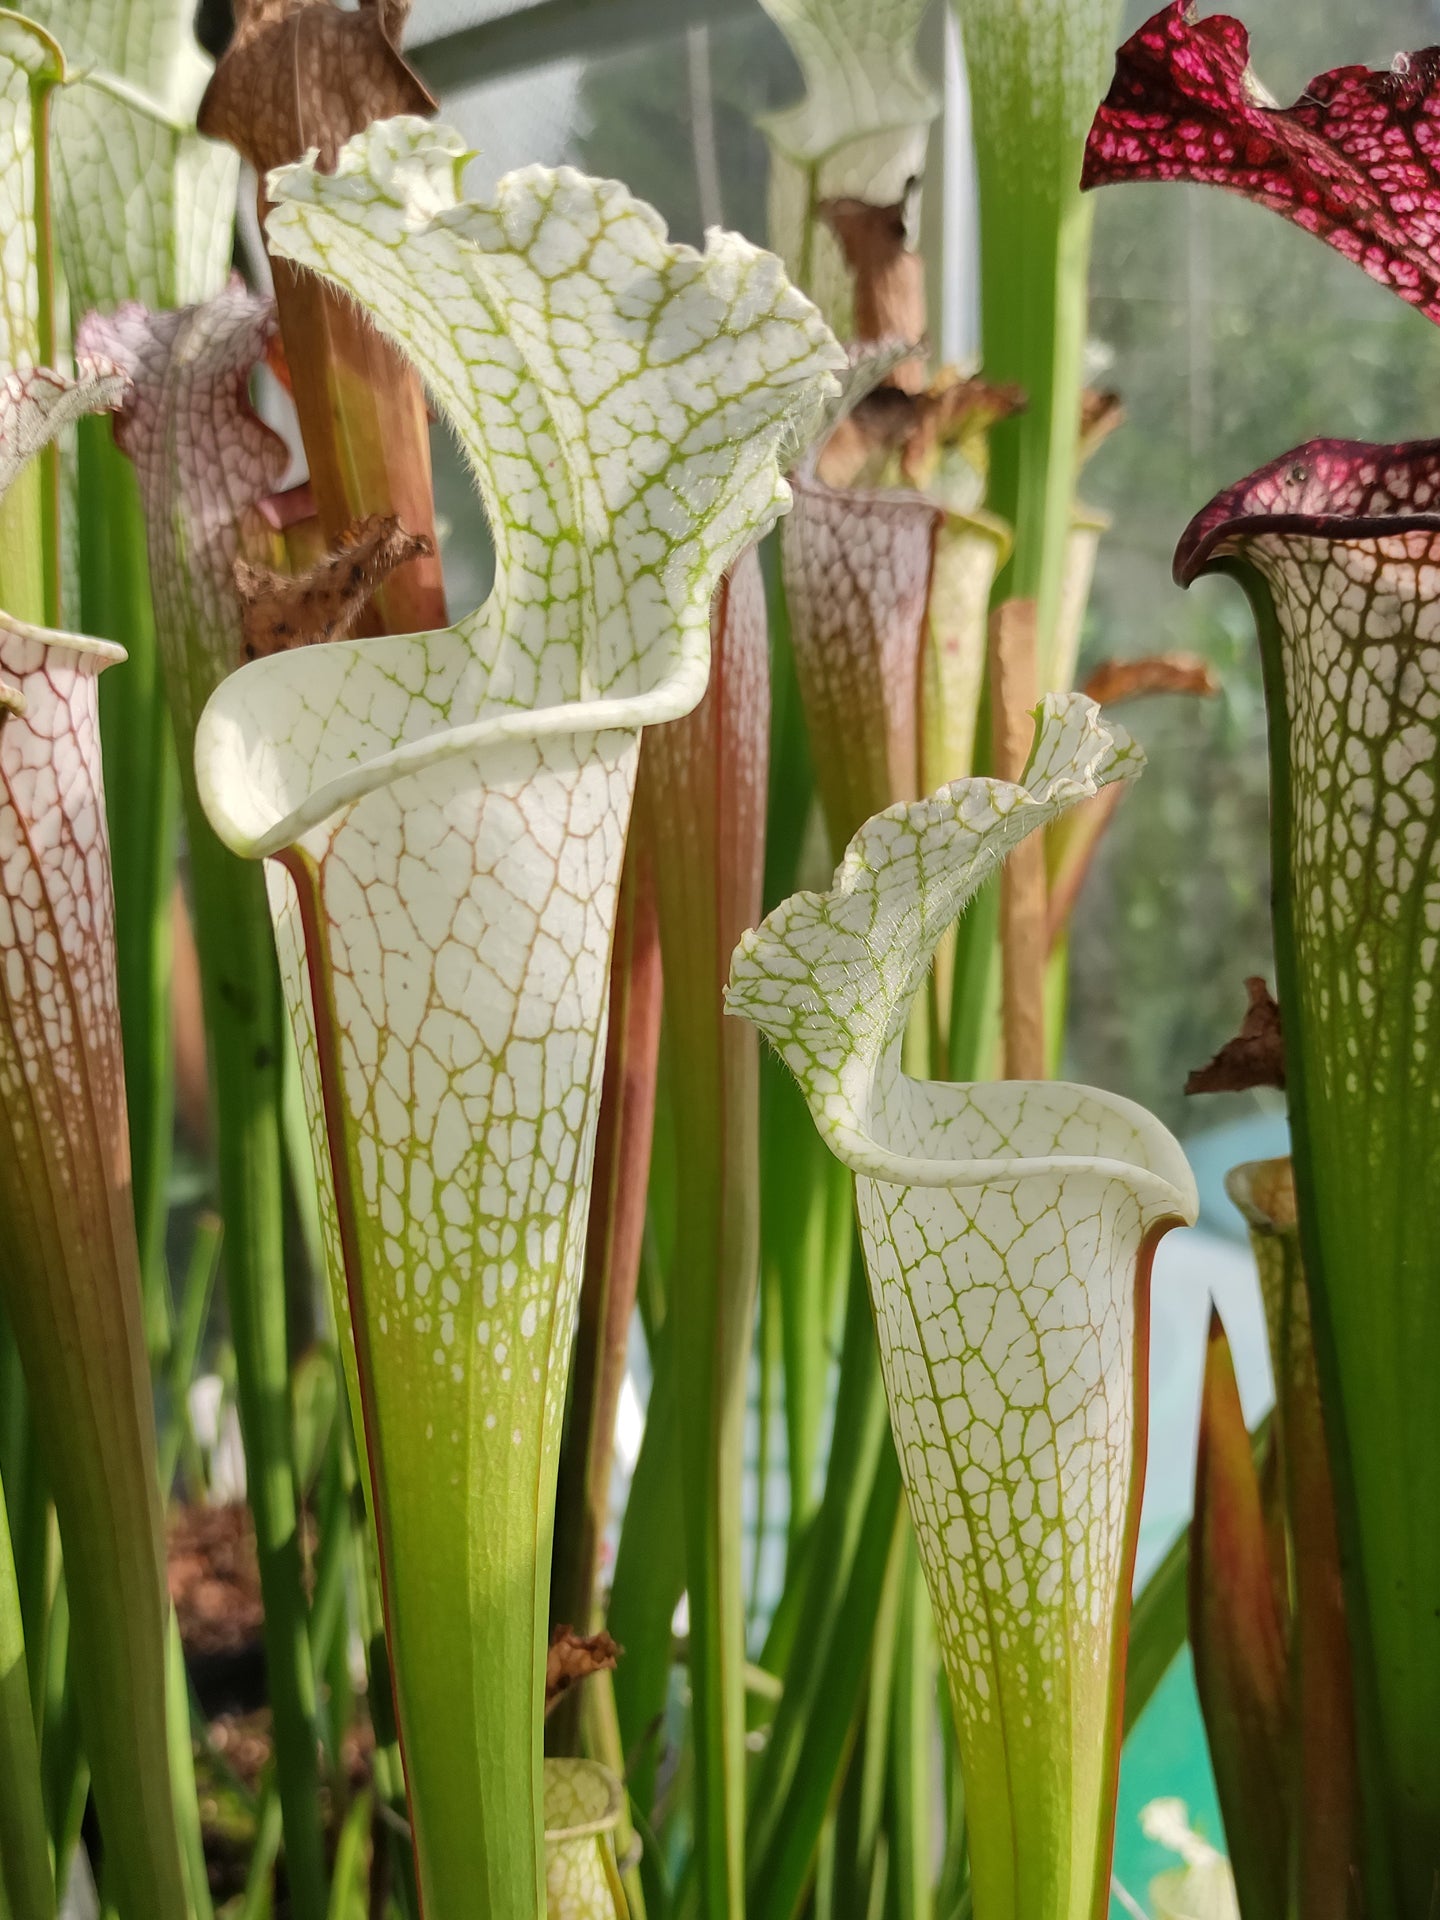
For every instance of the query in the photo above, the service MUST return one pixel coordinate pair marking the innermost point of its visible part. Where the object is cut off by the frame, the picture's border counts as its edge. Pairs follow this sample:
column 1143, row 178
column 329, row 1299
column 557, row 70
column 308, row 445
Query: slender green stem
column 1034, row 314
column 912, row 1731
column 142, row 804
column 182, row 1774
column 386, row 1768
column 243, row 1016
column 767, row 1397
column 347, row 1892
column 64, row 1771
column 830, row 1629
column 194, row 1308
column 24, row 1852
column 819, row 1735
column 870, row 1767
column 649, row 1579
column 1036, row 73
column 600, row 1740
column 953, row 1889
column 269, row 1827
column 28, row 1510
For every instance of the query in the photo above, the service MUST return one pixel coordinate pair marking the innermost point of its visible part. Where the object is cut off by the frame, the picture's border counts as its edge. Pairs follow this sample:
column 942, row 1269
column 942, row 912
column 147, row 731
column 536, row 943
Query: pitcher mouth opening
column 257, row 818
column 933, row 1133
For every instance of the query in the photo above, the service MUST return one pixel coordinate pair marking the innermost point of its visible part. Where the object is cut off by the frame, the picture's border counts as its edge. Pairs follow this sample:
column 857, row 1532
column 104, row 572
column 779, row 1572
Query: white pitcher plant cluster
column 445, row 816
column 421, row 901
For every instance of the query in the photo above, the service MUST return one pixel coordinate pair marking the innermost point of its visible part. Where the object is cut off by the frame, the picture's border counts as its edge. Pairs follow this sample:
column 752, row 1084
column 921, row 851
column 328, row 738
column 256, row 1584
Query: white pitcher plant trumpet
column 1008, row 1231
column 449, row 810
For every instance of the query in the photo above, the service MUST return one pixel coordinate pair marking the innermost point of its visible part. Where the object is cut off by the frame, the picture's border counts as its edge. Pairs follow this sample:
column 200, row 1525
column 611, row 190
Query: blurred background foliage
column 1230, row 337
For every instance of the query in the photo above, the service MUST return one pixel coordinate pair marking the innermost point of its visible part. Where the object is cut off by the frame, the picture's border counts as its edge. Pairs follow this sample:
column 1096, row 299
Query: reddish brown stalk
column 1101, row 412
column 613, row 1241
column 706, row 793
column 1014, row 695
column 1072, row 843
column 302, row 74
column 187, row 1016
column 1323, row 1754
column 1238, row 1637
column 1083, row 830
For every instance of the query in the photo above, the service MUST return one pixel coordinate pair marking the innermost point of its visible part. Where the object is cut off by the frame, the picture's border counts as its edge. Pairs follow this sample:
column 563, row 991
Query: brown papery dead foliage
column 1116, row 680
column 952, row 411
column 572, row 1658
column 301, row 74
column 1255, row 1057
column 1101, row 412
column 280, row 611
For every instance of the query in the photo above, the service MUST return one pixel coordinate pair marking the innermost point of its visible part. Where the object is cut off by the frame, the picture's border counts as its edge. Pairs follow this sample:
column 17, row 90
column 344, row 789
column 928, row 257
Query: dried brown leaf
column 281, row 611
column 1101, row 412
column 303, row 73
column 1115, row 680
column 952, row 411
column 1254, row 1058
column 572, row 1657
column 889, row 277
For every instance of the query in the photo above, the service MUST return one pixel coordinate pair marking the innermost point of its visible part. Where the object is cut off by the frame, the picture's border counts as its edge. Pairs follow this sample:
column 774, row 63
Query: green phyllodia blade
column 1036, row 71
column 1007, row 1231
column 450, row 810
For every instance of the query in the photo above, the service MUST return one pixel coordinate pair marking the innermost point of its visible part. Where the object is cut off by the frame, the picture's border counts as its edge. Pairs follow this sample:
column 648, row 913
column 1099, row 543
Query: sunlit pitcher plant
column 457, row 900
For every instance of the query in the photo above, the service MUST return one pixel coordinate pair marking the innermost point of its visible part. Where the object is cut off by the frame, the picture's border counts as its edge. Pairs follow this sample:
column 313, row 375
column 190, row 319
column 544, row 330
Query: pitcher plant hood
column 622, row 403
column 1353, row 161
